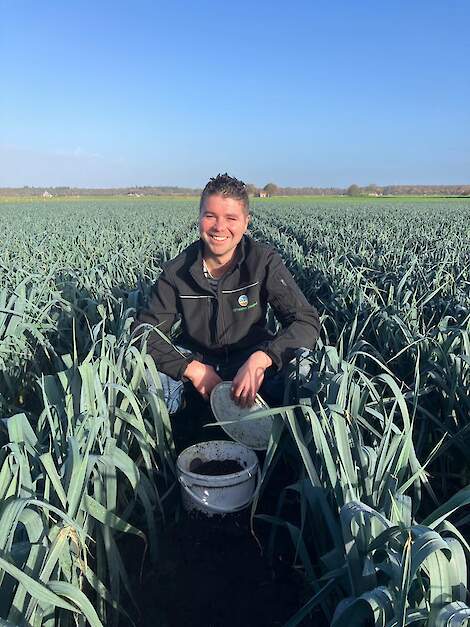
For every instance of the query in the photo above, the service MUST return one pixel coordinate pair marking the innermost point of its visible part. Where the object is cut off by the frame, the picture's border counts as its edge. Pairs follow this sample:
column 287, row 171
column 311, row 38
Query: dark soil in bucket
column 215, row 467
column 210, row 573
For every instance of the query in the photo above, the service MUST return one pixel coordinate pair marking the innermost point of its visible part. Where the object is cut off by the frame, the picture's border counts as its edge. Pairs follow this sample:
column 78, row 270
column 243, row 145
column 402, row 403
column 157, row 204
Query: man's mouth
column 218, row 238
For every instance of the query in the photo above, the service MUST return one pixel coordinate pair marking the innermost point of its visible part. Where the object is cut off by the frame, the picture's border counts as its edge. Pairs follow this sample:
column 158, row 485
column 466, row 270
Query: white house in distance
column 47, row 194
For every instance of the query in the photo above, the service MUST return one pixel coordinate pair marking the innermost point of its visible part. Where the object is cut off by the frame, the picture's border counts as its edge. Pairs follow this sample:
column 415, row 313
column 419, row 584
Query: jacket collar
column 195, row 269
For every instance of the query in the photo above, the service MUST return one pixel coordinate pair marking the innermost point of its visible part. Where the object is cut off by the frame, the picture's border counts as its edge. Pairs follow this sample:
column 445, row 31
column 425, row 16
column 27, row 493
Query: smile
column 218, row 238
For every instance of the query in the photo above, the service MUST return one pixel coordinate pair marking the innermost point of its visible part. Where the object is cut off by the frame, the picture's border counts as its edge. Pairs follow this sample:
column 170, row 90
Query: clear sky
column 109, row 93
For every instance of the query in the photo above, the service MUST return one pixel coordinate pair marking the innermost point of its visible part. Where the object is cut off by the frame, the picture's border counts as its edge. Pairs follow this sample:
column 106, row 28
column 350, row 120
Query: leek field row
column 376, row 435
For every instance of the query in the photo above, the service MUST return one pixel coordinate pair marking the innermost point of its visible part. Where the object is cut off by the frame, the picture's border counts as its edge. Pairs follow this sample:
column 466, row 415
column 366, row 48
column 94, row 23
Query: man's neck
column 217, row 266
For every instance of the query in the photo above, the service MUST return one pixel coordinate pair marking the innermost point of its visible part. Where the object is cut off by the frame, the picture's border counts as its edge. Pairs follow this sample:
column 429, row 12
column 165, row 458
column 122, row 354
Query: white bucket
column 220, row 494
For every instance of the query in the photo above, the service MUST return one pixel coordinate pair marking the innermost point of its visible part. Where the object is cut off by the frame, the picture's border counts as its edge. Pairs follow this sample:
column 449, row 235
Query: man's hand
column 203, row 377
column 249, row 378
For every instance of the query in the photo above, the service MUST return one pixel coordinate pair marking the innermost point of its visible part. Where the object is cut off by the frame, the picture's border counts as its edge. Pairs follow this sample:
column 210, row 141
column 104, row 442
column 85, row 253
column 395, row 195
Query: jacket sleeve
column 162, row 312
column 299, row 320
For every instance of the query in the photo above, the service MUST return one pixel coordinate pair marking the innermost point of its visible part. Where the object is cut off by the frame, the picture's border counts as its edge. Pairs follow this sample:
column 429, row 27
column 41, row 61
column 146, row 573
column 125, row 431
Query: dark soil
column 215, row 467
column 211, row 573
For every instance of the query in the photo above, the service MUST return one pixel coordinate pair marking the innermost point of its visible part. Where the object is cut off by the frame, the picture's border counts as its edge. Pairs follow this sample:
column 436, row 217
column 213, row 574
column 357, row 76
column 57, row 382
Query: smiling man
column 220, row 288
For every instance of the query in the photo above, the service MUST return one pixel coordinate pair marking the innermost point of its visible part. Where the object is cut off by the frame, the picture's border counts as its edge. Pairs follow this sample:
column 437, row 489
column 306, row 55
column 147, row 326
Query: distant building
column 262, row 194
column 47, row 194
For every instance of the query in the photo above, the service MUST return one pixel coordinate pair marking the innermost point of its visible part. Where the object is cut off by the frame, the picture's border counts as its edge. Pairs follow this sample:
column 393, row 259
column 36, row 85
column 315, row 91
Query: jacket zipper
column 213, row 313
column 220, row 321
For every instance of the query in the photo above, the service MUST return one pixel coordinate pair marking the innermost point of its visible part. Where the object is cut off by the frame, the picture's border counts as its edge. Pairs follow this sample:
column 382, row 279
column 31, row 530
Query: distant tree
column 373, row 189
column 271, row 188
column 353, row 190
column 251, row 189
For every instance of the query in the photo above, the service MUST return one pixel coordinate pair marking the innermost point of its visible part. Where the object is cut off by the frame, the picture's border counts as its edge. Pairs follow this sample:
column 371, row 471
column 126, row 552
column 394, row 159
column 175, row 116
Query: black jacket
column 232, row 319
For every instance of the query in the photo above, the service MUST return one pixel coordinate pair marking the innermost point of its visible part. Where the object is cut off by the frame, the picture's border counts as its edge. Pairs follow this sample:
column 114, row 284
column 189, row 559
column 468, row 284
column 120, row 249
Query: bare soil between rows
column 211, row 573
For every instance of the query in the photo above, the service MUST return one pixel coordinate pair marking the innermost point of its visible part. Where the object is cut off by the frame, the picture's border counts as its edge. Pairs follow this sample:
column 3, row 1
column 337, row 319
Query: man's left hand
column 249, row 378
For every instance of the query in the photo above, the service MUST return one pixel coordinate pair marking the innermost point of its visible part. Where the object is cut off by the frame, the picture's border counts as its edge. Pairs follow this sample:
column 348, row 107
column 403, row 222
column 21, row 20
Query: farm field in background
column 377, row 449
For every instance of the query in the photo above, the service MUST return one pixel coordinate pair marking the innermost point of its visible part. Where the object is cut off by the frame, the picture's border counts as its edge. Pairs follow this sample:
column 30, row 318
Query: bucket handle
column 214, row 508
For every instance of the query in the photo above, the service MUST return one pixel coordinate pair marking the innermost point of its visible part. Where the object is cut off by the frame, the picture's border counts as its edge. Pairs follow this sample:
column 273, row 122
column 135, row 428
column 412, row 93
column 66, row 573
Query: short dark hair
column 227, row 186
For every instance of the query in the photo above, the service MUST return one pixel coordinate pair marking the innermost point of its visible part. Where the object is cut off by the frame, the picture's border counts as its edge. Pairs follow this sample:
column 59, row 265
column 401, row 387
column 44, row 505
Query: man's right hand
column 204, row 378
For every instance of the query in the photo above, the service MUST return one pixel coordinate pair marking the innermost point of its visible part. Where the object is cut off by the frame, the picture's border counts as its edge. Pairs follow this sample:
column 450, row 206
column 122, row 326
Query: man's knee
column 173, row 391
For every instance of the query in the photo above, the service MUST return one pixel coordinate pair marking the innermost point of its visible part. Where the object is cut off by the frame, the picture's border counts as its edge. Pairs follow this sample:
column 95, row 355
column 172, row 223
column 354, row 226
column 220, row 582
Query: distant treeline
column 369, row 190
column 409, row 190
column 271, row 189
column 98, row 191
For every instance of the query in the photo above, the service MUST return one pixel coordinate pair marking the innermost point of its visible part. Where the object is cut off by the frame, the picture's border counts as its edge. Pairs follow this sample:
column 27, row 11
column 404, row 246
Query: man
column 220, row 287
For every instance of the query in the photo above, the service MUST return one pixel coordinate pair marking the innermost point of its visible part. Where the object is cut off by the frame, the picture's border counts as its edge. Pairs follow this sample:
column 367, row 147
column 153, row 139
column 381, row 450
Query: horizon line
column 260, row 187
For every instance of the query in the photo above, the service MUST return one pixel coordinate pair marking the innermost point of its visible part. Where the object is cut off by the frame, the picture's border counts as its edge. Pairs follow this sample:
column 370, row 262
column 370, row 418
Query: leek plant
column 359, row 493
column 72, row 482
column 26, row 322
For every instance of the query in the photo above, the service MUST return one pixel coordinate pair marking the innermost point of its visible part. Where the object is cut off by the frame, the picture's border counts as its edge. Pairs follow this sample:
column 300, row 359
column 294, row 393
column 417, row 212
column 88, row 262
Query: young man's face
column 222, row 223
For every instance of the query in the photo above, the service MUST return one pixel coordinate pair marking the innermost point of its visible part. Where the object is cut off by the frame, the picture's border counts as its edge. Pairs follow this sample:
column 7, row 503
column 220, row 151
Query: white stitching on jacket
column 240, row 289
column 181, row 296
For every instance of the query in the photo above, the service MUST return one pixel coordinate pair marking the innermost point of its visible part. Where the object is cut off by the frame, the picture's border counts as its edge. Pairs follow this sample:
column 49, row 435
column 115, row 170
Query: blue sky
column 300, row 93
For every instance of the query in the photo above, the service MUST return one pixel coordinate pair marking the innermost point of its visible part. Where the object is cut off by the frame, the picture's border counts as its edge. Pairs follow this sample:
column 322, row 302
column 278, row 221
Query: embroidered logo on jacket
column 243, row 300
column 246, row 307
